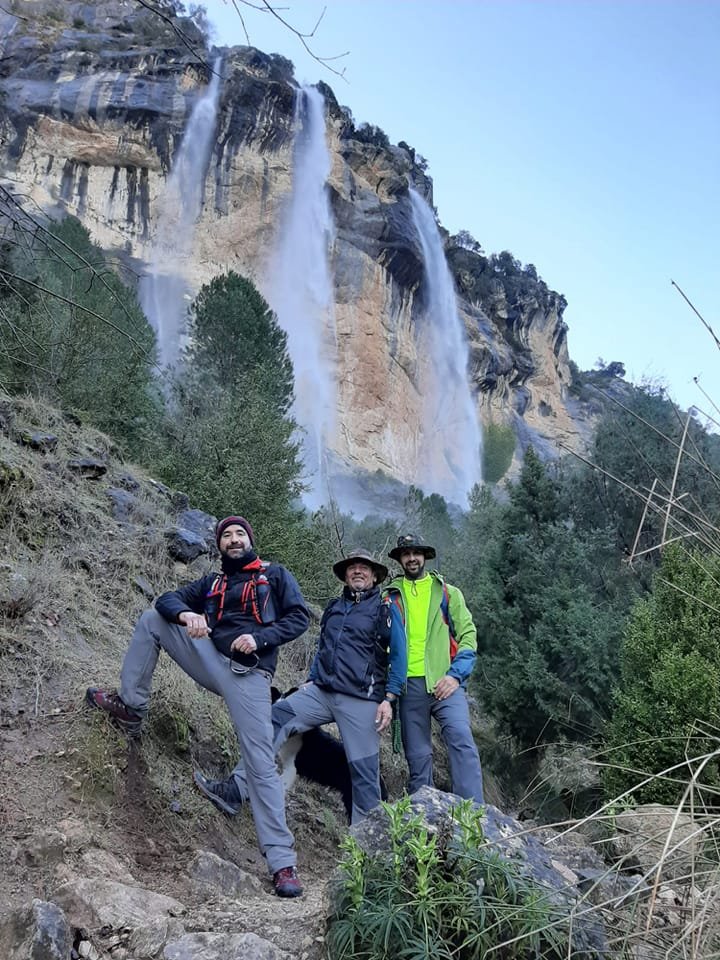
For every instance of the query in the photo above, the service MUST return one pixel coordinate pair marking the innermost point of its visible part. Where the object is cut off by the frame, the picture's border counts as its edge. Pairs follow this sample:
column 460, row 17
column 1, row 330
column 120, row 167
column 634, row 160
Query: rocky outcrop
column 94, row 98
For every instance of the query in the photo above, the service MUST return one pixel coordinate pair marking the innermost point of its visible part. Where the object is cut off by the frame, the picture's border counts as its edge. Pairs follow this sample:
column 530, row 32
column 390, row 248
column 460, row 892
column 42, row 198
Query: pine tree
column 549, row 626
column 229, row 440
column 667, row 706
column 74, row 334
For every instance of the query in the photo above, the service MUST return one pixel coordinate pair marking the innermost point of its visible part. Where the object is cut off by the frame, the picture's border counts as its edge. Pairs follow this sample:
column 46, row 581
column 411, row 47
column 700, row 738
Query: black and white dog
column 319, row 757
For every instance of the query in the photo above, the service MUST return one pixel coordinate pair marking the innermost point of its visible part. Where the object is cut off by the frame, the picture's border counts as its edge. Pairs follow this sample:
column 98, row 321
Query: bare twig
column 264, row 6
column 697, row 313
column 642, row 523
column 675, row 476
column 696, row 381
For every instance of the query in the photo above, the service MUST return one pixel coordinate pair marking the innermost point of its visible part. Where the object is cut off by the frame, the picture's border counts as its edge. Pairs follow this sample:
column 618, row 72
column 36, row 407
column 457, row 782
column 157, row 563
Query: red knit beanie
column 237, row 521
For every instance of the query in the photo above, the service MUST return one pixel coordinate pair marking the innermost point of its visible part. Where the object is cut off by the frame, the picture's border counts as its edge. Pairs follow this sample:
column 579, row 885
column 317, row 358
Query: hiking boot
column 224, row 794
column 286, row 883
column 109, row 702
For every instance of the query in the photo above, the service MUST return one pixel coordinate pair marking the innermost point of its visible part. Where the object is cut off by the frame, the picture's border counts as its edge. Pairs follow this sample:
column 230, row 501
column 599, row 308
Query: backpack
column 256, row 594
column 447, row 617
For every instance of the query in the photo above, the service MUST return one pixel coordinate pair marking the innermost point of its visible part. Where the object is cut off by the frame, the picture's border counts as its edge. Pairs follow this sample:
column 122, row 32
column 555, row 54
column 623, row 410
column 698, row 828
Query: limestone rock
column 102, row 863
column 90, row 468
column 210, row 871
column 229, row 946
column 43, row 442
column 96, row 902
column 184, row 545
column 40, row 932
column 93, row 111
column 147, row 940
column 643, row 833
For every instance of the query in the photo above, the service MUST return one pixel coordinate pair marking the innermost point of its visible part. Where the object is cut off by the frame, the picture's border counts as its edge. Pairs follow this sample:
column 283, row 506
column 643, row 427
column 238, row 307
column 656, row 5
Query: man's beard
column 415, row 574
column 237, row 552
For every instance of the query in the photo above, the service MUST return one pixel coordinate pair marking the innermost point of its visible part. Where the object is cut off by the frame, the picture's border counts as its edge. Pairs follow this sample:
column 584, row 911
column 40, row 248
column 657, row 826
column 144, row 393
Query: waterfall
column 449, row 454
column 164, row 292
column 299, row 289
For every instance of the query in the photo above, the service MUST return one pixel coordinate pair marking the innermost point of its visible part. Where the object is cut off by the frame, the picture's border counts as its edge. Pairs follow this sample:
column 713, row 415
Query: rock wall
column 94, row 98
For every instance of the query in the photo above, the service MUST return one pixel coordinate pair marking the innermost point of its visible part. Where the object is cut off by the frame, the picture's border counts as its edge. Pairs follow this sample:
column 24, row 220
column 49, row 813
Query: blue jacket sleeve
column 397, row 672
column 190, row 597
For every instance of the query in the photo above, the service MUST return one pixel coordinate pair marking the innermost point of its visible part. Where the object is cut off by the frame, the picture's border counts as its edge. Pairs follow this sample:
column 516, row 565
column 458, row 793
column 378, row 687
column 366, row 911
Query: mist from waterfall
column 164, row 291
column 449, row 456
column 299, row 288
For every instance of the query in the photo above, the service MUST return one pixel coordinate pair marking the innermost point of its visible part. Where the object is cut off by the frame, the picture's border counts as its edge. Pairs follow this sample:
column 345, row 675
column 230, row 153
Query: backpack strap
column 447, row 617
column 261, row 606
column 216, row 596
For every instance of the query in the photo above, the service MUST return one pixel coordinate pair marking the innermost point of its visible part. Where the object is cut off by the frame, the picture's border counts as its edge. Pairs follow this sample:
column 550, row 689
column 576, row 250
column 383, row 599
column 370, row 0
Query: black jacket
column 352, row 654
column 290, row 617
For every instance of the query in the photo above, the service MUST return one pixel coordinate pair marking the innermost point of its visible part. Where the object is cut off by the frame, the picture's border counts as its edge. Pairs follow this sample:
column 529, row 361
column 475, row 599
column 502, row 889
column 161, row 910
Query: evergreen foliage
column 445, row 896
column 228, row 438
column 73, row 333
column 549, row 601
column 637, row 444
column 428, row 516
column 497, row 453
column 237, row 341
column 667, row 707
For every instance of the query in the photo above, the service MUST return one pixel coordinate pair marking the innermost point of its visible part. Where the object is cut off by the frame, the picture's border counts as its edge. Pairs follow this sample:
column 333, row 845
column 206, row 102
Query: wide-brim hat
column 409, row 541
column 363, row 556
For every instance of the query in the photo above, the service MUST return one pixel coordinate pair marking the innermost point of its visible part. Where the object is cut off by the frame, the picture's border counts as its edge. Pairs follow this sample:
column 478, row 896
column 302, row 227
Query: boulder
column 210, row 872
column 652, row 835
column 147, row 940
column 39, row 932
column 90, row 468
column 97, row 862
column 184, row 545
column 46, row 846
column 94, row 903
column 43, row 442
column 535, row 858
column 229, row 946
column 123, row 503
column 199, row 522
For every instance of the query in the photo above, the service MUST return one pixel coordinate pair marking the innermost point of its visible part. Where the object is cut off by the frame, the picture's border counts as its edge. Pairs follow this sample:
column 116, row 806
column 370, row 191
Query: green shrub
column 667, row 707
column 72, row 332
column 498, row 449
column 445, row 895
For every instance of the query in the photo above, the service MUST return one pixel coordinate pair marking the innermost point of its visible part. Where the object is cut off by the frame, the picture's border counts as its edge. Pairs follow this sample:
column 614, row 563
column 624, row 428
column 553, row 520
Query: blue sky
column 584, row 137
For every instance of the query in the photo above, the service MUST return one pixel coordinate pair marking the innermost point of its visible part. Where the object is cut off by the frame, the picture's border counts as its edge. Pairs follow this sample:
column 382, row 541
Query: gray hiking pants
column 247, row 698
column 417, row 707
column 311, row 707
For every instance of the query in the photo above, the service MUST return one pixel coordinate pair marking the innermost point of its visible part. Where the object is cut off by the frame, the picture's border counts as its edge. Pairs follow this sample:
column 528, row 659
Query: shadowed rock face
column 94, row 98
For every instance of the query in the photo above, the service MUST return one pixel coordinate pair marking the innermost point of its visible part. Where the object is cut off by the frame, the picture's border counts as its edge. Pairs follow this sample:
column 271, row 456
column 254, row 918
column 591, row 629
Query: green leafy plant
column 440, row 895
column 498, row 449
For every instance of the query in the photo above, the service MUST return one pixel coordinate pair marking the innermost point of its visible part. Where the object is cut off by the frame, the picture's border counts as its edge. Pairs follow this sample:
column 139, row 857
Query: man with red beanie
column 224, row 630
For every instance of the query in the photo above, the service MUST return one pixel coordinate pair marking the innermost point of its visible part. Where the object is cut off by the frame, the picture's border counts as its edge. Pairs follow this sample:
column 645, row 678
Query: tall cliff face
column 94, row 99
